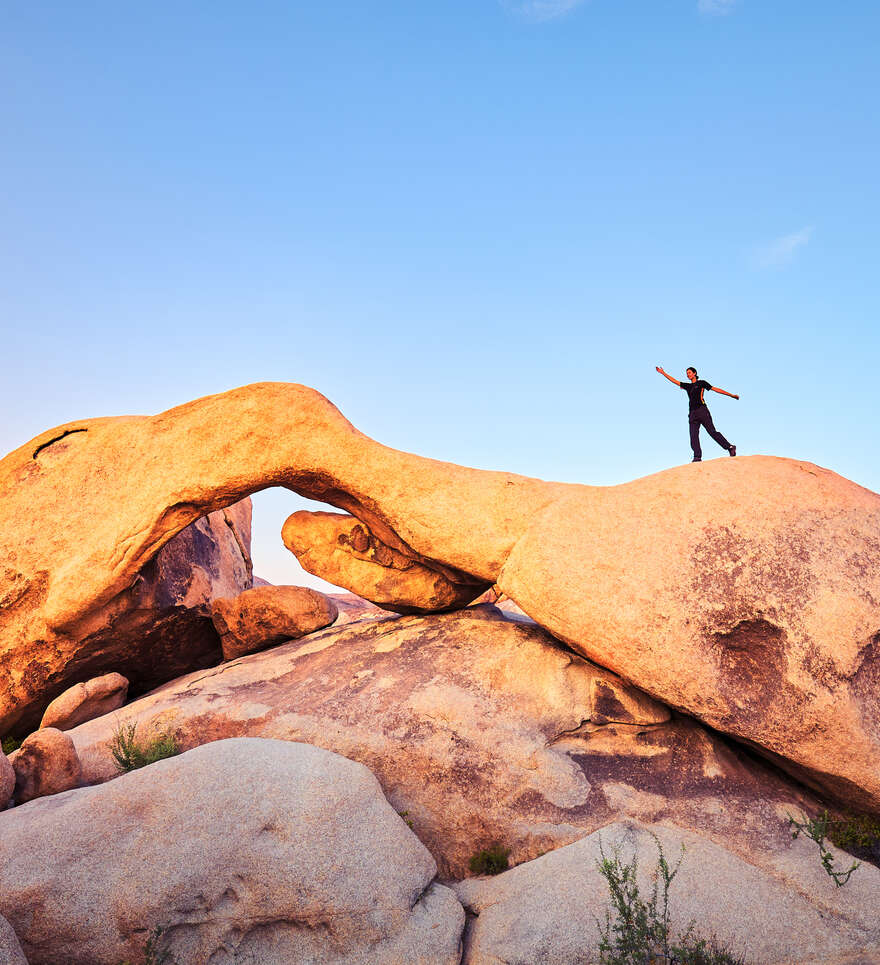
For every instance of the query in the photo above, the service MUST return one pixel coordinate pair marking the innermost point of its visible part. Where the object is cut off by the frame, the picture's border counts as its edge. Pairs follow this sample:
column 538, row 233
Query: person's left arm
column 722, row 392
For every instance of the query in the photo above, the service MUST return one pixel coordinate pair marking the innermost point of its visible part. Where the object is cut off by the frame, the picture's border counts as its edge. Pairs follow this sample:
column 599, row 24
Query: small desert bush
column 639, row 931
column 492, row 861
column 10, row 744
column 153, row 952
column 130, row 753
column 818, row 829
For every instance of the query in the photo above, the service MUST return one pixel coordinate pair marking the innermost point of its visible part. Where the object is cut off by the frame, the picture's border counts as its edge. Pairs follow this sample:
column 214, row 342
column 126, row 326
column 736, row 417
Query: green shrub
column 492, row 861
column 639, row 931
column 10, row 744
column 130, row 753
column 817, row 829
column 856, row 833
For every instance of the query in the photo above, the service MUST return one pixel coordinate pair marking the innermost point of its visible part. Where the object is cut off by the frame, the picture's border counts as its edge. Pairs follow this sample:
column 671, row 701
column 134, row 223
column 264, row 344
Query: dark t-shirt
column 695, row 392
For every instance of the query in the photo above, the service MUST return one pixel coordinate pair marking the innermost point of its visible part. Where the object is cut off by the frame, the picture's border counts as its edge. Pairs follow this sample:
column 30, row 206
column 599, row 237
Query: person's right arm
column 668, row 376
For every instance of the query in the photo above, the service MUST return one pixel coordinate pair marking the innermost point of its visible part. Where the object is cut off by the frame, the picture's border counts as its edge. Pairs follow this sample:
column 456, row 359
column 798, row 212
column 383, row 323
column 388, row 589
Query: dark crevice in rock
column 54, row 439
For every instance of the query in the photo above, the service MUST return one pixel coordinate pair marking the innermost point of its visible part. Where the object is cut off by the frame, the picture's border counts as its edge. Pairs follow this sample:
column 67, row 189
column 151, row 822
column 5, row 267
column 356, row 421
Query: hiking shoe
column 732, row 450
column 697, row 460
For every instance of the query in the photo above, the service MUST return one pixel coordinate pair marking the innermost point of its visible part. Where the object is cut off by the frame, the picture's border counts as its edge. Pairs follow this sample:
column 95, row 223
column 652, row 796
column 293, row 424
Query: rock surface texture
column 310, row 865
column 547, row 910
column 46, row 763
column 745, row 592
column 82, row 702
column 266, row 615
column 10, row 949
column 482, row 729
column 156, row 627
column 7, row 780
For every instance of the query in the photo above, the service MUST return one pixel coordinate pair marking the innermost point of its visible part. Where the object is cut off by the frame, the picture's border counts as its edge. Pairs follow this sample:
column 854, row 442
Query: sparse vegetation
column 130, row 753
column 405, row 816
column 817, row 829
column 856, row 833
column 492, row 861
column 10, row 744
column 639, row 931
column 154, row 954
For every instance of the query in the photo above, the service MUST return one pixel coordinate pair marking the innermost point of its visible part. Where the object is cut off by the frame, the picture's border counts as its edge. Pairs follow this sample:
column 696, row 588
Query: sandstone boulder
column 266, row 615
column 82, row 702
column 549, row 909
column 482, row 729
column 7, row 780
column 342, row 550
column 10, row 950
column 742, row 591
column 46, row 763
column 243, row 850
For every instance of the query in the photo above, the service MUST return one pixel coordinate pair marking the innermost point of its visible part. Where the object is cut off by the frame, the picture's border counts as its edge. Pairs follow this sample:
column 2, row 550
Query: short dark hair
column 690, row 368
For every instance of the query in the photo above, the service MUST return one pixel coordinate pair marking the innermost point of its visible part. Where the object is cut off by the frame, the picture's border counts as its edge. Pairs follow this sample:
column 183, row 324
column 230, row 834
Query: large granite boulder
column 242, row 851
column 266, row 615
column 741, row 591
column 549, row 910
column 46, row 763
column 482, row 729
column 82, row 702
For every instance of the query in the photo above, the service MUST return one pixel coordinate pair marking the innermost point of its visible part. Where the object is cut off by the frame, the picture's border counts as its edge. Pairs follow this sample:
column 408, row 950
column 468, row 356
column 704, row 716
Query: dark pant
column 703, row 417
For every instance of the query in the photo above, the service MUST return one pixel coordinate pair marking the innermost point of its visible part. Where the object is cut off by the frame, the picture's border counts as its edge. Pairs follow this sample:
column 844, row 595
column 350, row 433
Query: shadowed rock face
column 743, row 591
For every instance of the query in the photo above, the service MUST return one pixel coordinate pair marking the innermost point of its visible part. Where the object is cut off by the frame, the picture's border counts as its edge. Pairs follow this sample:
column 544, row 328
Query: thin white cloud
column 541, row 9
column 781, row 251
column 717, row 8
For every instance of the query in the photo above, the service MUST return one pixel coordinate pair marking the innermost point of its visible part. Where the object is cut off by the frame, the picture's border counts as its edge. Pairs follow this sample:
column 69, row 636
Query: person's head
column 691, row 373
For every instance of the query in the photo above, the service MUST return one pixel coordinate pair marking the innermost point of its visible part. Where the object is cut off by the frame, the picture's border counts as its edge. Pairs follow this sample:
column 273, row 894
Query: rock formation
column 548, row 910
column 243, row 850
column 10, row 949
column 343, row 551
column 46, row 763
column 82, row 702
column 7, row 780
column 741, row 591
column 484, row 730
column 266, row 615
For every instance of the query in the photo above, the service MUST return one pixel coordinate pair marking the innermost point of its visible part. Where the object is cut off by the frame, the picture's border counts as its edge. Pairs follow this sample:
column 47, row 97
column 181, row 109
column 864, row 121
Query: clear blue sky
column 476, row 226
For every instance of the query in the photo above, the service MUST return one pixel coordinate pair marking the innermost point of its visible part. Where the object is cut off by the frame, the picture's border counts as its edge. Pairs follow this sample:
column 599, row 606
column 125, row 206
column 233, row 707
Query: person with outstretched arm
column 698, row 411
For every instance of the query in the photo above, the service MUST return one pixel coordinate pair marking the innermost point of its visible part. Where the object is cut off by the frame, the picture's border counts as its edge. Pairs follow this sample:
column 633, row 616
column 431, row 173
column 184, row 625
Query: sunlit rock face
column 745, row 592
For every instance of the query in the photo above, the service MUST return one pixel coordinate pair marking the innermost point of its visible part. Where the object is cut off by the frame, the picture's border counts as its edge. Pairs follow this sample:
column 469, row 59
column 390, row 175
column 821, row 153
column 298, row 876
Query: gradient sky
column 475, row 226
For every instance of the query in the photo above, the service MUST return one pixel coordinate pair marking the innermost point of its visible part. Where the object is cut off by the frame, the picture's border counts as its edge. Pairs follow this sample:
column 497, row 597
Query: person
column 698, row 411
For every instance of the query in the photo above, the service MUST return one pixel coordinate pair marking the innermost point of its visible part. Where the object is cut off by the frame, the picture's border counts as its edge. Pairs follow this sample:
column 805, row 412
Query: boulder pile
column 690, row 659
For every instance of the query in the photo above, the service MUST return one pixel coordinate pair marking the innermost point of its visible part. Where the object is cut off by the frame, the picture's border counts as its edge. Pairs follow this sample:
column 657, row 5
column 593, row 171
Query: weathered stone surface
column 244, row 850
column 157, row 628
column 10, row 949
column 7, row 780
column 483, row 729
column 743, row 591
column 46, row 763
column 266, row 615
column 82, row 702
column 547, row 910
column 342, row 550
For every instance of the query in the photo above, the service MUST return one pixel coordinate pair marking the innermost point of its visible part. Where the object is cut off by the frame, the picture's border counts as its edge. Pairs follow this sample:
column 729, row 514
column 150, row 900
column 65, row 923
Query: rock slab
column 481, row 727
column 267, row 615
column 10, row 950
column 549, row 909
column 82, row 702
column 244, row 851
